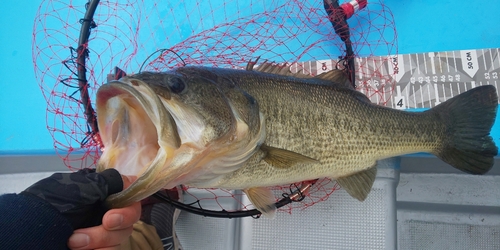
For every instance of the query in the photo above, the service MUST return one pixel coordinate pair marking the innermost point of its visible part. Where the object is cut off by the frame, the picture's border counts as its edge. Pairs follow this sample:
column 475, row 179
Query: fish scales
column 327, row 122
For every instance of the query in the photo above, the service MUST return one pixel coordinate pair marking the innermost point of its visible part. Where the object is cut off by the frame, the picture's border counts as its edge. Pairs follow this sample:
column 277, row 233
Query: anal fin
column 262, row 199
column 359, row 184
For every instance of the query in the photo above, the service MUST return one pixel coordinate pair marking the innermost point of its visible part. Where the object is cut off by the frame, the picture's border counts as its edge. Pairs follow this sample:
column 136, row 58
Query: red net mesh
column 138, row 34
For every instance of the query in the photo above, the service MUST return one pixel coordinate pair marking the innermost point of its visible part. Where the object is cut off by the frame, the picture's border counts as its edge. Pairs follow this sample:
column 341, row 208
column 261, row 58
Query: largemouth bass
column 251, row 129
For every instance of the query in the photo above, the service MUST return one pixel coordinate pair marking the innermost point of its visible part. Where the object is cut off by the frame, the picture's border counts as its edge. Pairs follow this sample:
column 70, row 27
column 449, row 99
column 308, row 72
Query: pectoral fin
column 282, row 158
column 263, row 200
column 359, row 185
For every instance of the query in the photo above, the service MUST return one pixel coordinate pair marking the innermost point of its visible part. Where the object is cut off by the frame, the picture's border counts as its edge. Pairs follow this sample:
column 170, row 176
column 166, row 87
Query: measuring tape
column 422, row 80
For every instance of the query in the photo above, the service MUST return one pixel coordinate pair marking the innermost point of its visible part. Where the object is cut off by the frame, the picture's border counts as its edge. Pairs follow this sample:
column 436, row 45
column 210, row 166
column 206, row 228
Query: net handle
column 82, row 53
column 295, row 196
column 338, row 16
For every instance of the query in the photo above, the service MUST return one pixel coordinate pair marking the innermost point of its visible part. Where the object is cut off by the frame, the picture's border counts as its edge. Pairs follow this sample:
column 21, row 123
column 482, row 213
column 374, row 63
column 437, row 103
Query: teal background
column 422, row 26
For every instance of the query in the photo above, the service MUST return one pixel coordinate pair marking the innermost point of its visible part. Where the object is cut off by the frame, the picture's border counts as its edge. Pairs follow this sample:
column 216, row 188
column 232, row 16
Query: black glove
column 78, row 196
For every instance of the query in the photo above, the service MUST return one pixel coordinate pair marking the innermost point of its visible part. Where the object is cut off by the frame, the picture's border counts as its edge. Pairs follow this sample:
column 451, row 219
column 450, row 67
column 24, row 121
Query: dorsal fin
column 119, row 73
column 251, row 64
column 273, row 68
column 334, row 76
column 277, row 69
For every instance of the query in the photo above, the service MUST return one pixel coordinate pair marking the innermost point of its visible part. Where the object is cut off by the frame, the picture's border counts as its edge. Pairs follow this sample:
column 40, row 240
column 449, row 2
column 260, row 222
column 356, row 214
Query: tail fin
column 469, row 118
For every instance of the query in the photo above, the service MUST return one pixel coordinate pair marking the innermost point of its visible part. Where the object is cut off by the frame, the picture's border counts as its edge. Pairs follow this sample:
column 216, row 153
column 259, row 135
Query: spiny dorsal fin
column 282, row 158
column 336, row 76
column 273, row 68
column 119, row 73
column 276, row 69
column 262, row 199
column 359, row 184
column 251, row 64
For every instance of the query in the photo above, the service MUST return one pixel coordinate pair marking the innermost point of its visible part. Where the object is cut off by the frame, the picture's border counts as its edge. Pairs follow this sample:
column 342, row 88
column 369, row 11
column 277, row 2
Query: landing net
column 158, row 35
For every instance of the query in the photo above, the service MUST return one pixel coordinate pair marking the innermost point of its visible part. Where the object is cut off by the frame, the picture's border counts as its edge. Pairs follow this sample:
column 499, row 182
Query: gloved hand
column 78, row 196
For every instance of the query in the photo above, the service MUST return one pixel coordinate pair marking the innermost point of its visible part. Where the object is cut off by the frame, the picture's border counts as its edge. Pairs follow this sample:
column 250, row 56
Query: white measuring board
column 425, row 80
column 422, row 80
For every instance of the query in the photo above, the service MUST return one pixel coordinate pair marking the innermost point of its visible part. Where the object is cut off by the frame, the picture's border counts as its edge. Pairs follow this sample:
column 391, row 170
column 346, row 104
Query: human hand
column 79, row 196
column 117, row 226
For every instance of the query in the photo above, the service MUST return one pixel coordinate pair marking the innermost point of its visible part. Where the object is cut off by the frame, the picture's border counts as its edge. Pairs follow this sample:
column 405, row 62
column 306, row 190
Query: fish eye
column 176, row 85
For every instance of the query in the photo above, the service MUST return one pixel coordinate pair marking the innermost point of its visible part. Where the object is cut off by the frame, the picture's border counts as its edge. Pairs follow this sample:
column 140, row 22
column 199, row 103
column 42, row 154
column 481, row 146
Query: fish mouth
column 165, row 139
column 139, row 136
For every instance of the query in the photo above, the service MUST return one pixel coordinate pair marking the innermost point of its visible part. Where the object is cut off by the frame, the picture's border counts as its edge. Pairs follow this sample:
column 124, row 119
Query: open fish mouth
column 138, row 133
column 167, row 137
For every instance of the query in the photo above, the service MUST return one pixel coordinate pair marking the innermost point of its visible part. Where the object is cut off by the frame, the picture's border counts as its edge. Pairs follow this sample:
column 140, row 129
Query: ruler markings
column 360, row 71
column 455, row 61
column 451, row 90
column 411, row 67
column 398, row 98
column 422, row 95
column 447, row 62
column 418, row 64
column 439, row 61
column 493, row 65
column 450, row 61
column 436, row 95
column 376, row 75
column 444, row 91
column 455, row 65
column 425, row 64
column 433, row 66
column 430, row 88
column 387, row 67
column 486, row 73
column 392, row 104
column 498, row 87
column 414, row 96
column 484, row 59
column 407, row 94
column 498, row 57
